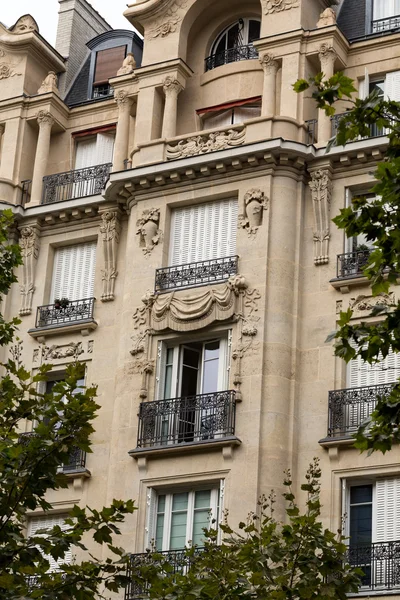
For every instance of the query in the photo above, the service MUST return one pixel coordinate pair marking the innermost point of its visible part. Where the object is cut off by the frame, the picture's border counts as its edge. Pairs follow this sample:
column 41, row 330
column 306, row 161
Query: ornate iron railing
column 387, row 24
column 195, row 274
column 351, row 264
column 349, row 408
column 231, row 55
column 75, row 184
column 312, row 131
column 381, row 565
column 26, row 191
column 103, row 91
column 77, row 310
column 177, row 559
column 374, row 131
column 205, row 417
column 77, row 457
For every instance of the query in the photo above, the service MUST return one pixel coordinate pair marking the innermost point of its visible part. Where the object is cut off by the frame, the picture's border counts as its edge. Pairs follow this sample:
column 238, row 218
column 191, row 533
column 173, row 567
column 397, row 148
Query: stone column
column 122, row 135
column 172, row 89
column 327, row 56
column 270, row 67
column 46, row 122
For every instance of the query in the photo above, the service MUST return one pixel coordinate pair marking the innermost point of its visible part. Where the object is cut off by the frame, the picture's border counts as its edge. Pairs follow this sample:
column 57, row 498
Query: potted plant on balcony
column 60, row 303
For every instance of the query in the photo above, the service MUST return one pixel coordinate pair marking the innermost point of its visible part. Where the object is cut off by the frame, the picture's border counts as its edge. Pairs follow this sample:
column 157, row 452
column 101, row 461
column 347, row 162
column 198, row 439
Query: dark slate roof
column 79, row 90
column 352, row 18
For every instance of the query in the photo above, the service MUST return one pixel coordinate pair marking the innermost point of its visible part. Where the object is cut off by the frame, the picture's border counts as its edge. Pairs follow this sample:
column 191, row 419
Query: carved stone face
column 25, row 24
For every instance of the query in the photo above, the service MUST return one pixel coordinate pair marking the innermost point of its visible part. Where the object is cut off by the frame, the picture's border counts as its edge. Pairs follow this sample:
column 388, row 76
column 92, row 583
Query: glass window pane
column 211, row 350
column 178, row 530
column 159, row 531
column 360, row 494
column 168, row 382
column 180, row 501
column 233, row 35
column 361, row 524
column 254, row 31
column 161, row 504
column 202, row 499
column 201, row 520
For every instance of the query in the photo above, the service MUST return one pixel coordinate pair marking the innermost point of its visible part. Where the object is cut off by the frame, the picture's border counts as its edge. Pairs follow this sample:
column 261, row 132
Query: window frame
column 245, row 30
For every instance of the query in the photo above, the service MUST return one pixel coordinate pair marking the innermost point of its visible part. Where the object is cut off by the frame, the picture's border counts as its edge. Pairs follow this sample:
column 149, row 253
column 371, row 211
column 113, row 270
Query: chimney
column 78, row 22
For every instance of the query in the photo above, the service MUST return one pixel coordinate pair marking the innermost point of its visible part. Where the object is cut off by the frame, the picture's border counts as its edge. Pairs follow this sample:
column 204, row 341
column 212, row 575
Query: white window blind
column 222, row 119
column 392, row 86
column 385, row 8
column 73, row 272
column 387, row 371
column 203, row 232
column 48, row 522
column 387, row 510
column 104, row 148
column 95, row 150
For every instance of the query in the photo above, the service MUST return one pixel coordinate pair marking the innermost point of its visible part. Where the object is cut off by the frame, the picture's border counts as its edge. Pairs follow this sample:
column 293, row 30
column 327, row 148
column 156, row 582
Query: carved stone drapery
column 110, row 229
column 29, row 242
column 321, row 192
column 255, row 202
column 275, row 6
column 203, row 144
column 148, row 230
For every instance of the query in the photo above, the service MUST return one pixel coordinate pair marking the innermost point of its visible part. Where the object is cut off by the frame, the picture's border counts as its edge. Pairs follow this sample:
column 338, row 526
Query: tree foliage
column 265, row 558
column 30, row 467
column 379, row 222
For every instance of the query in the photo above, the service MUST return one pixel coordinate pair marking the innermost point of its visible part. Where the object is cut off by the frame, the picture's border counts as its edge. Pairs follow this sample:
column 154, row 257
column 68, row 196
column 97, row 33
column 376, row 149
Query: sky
column 45, row 12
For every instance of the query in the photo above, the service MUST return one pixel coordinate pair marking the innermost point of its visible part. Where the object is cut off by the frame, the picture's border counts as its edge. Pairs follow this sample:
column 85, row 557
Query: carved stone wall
column 321, row 192
column 203, row 144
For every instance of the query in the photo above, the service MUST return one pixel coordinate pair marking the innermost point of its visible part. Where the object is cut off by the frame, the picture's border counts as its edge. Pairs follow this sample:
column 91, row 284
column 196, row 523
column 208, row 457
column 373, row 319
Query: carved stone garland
column 192, row 312
column 150, row 234
column 321, row 192
column 275, row 6
column 29, row 242
column 110, row 229
column 255, row 202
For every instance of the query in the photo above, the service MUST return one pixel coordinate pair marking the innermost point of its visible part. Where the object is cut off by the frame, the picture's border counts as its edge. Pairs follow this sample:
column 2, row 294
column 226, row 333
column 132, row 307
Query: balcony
column 77, row 315
column 177, row 559
column 195, row 274
column 387, row 24
column 77, row 457
column 349, row 408
column 202, row 420
column 380, row 563
column 374, row 130
column 351, row 264
column 231, row 55
column 80, row 183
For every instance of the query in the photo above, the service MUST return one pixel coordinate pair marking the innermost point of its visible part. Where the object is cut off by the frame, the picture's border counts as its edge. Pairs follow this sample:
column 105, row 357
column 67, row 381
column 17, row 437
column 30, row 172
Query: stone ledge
column 185, row 447
column 345, row 284
column 84, row 326
column 331, row 442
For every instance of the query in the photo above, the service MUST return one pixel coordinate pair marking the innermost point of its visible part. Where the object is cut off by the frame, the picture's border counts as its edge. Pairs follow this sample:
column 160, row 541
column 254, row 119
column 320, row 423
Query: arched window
column 235, row 43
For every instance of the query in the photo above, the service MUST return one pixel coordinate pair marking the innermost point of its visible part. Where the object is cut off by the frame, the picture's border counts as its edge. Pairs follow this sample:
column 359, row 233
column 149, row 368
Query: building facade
column 174, row 199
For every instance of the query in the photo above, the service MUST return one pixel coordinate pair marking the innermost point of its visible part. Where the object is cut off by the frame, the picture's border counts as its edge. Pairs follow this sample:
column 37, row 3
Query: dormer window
column 107, row 64
column 385, row 15
column 235, row 43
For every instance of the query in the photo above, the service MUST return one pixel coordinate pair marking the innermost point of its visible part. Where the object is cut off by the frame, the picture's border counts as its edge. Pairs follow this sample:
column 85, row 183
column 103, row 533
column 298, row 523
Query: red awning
column 227, row 105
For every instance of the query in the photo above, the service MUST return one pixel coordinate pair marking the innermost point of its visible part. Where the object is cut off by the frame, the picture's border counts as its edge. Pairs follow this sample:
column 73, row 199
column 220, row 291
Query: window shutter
column 107, row 64
column 48, row 522
column 85, row 155
column 387, row 510
column 150, row 517
column 104, row 148
column 73, row 272
column 392, row 86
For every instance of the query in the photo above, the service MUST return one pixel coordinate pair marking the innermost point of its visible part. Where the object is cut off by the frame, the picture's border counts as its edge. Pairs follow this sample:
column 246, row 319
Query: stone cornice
column 146, row 9
column 283, row 41
column 33, row 43
column 164, row 68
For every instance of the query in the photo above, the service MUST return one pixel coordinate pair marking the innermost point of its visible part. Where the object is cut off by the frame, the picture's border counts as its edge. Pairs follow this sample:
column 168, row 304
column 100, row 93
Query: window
column 362, row 374
column 235, row 43
column 73, row 272
column 177, row 519
column 48, row 522
column 232, row 114
column 94, row 150
column 203, row 232
column 108, row 62
column 383, row 13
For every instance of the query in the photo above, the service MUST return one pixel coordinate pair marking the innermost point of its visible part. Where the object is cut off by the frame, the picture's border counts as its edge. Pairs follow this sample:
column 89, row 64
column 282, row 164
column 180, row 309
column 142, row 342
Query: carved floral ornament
column 172, row 86
column 363, row 304
column 321, row 192
column 269, row 64
column 148, row 230
column 255, row 203
column 203, row 144
column 170, row 20
column 7, row 68
column 275, row 6
column 194, row 311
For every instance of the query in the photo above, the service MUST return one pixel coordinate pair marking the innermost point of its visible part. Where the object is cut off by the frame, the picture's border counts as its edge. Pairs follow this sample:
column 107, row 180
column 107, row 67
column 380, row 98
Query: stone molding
column 30, row 243
column 110, row 229
column 321, row 192
column 49, row 84
column 254, row 204
column 275, row 6
column 148, row 230
column 203, row 144
column 71, row 350
column 269, row 64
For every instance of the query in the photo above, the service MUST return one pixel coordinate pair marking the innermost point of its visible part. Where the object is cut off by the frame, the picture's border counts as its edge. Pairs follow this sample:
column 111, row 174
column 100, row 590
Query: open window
column 235, row 43
column 230, row 113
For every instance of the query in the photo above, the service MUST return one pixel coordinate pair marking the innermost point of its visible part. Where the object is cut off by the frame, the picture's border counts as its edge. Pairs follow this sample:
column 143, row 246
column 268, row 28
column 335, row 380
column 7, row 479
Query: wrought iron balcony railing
column 195, row 274
column 75, row 184
column 231, row 55
column 381, row 565
column 103, row 91
column 205, row 417
column 387, row 24
column 349, row 408
column 351, row 264
column 374, row 131
column 177, row 559
column 77, row 457
column 77, row 310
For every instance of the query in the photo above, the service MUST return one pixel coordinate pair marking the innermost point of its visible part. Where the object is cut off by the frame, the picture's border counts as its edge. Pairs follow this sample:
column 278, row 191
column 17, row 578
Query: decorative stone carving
column 363, row 304
column 327, row 56
column 321, row 192
column 49, row 84
column 170, row 20
column 203, row 144
column 29, row 242
column 16, row 352
column 45, row 118
column 128, row 65
column 24, row 24
column 172, row 86
column 269, row 64
column 150, row 234
column 110, row 230
column 90, row 346
column 255, row 203
column 328, row 17
column 72, row 350
column 275, row 6
column 6, row 68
